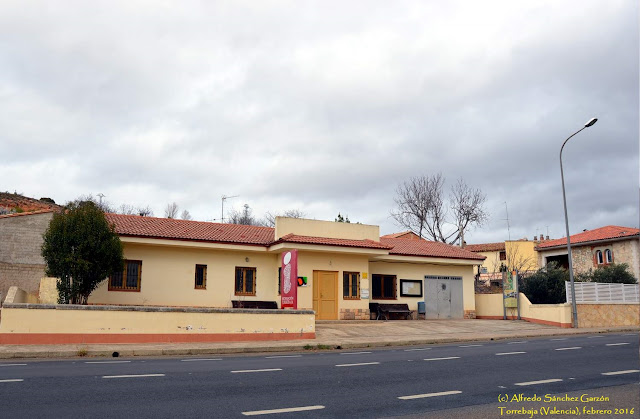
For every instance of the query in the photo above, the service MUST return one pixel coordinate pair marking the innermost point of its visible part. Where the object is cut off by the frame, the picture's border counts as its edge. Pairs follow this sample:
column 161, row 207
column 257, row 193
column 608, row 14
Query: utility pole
column 224, row 198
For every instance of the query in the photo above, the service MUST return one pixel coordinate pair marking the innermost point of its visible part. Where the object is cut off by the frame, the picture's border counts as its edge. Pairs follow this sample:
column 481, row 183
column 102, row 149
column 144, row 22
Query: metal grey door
column 443, row 298
column 457, row 308
column 430, row 301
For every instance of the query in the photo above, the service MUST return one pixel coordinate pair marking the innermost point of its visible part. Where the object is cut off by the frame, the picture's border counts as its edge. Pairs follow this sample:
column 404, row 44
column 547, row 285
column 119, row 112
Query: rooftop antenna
column 506, row 208
column 224, row 198
column 101, row 195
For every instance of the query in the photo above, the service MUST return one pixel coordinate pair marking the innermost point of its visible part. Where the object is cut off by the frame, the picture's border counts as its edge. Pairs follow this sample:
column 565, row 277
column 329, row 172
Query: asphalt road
column 422, row 381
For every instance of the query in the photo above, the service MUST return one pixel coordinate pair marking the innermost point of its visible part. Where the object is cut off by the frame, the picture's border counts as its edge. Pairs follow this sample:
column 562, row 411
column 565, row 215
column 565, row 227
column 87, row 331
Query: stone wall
column 21, row 263
column 354, row 314
column 604, row 315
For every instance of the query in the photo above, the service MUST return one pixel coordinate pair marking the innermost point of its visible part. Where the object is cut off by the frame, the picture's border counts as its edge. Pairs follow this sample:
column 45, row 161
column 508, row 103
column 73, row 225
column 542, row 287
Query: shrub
column 546, row 286
column 616, row 273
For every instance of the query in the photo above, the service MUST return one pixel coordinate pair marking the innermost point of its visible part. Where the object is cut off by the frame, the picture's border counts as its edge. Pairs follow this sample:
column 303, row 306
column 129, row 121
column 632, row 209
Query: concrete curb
column 107, row 351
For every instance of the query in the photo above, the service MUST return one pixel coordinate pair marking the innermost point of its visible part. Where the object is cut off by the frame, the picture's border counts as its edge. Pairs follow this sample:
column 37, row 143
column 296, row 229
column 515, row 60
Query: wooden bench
column 263, row 305
column 384, row 310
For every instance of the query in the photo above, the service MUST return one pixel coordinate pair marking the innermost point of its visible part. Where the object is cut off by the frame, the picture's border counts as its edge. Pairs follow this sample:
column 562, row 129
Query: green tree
column 81, row 249
column 615, row 273
column 546, row 286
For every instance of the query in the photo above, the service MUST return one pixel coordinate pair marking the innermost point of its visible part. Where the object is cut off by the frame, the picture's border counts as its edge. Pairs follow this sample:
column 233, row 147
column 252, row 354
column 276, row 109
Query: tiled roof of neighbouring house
column 485, row 247
column 599, row 234
column 18, row 214
column 401, row 235
column 370, row 244
column 407, row 247
column 168, row 228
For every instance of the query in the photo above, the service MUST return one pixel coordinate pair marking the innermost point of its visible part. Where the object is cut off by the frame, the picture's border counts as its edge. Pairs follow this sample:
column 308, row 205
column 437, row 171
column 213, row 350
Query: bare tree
column 421, row 208
column 185, row 215
column 242, row 217
column 145, row 211
column 127, row 209
column 269, row 219
column 171, row 210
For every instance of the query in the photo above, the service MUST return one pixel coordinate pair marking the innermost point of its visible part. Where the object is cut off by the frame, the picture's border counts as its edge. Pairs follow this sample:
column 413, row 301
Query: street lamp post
column 574, row 308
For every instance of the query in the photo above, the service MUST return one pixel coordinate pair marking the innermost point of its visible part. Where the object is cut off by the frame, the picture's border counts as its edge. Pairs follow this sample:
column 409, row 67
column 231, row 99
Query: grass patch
column 82, row 352
column 324, row 346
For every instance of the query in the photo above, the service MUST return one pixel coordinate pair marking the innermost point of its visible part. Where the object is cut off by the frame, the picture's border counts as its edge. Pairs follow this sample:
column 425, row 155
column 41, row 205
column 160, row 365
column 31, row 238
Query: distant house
column 593, row 248
column 511, row 254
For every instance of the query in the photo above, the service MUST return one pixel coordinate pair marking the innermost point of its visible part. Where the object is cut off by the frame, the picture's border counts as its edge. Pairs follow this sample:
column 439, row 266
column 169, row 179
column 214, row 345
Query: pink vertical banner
column 289, row 280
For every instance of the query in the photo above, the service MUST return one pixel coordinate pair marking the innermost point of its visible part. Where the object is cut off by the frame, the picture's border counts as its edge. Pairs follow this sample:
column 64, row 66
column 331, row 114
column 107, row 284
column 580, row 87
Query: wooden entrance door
column 325, row 295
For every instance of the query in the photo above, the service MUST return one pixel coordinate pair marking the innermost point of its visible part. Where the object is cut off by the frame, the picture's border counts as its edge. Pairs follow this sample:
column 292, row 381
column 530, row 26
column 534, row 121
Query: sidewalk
column 329, row 335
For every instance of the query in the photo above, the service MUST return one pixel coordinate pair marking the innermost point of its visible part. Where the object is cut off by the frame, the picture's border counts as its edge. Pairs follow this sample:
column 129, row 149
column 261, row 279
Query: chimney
column 547, row 238
column 535, row 238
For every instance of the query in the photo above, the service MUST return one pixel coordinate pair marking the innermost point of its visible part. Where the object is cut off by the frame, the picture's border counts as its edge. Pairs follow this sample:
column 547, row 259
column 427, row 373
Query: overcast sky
column 325, row 106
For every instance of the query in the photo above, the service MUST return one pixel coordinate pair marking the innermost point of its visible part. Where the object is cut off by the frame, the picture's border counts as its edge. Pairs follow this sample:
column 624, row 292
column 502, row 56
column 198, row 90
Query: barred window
column 351, row 285
column 245, row 281
column 128, row 279
column 201, row 277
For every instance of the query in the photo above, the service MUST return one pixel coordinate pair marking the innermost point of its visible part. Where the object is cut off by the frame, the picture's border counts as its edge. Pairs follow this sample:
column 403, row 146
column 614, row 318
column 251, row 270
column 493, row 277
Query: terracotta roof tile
column 369, row 244
column 485, row 247
column 599, row 234
column 167, row 228
column 19, row 214
column 402, row 235
column 407, row 247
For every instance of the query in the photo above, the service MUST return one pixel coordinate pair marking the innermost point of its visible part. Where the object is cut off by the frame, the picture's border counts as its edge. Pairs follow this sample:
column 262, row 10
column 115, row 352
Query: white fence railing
column 595, row 292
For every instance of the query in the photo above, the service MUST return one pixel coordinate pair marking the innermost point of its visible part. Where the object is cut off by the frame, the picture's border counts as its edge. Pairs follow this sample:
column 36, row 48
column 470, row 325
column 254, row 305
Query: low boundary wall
column 608, row 314
column 24, row 323
column 489, row 306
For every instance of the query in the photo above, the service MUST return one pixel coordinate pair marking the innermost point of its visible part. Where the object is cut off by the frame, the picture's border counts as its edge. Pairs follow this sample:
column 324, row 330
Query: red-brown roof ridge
column 364, row 243
column 426, row 248
column 610, row 232
column 485, row 247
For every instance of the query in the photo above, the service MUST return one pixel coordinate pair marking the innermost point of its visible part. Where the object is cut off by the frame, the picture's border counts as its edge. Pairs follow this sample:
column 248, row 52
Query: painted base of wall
column 470, row 314
column 73, row 338
column 530, row 320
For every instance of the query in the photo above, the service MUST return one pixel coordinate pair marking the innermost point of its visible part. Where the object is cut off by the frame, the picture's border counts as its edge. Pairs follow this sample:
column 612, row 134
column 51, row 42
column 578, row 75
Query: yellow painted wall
column 168, row 277
column 418, row 271
column 48, row 291
column 22, row 320
column 490, row 305
column 492, row 261
column 330, row 229
column 18, row 295
column 310, row 261
column 522, row 254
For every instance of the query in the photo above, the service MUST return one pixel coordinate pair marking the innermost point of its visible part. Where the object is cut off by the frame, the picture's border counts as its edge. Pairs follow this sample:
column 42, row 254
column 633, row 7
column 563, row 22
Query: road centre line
column 422, row 396
column 568, row 349
column 442, row 359
column 417, row 349
column 354, row 353
column 133, row 376
column 283, row 356
column 12, row 380
column 620, row 372
column 560, row 339
column 106, row 362
column 284, row 410
column 262, row 370
column 518, row 341
column 467, row 346
column 617, row 344
column 510, row 353
column 630, row 334
column 11, row 365
column 200, row 359
column 357, row 365
column 530, row 383
column 594, row 337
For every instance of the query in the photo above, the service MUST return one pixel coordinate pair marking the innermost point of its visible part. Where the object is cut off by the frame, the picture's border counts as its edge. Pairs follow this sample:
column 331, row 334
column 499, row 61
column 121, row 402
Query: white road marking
column 357, row 365
column 262, row 370
column 442, row 359
column 285, row 410
column 560, row 339
column 568, row 349
column 354, row 353
column 510, row 353
column 11, row 380
column 467, row 346
column 422, row 396
column 530, row 383
column 417, row 349
column 593, row 337
column 519, row 341
column 11, row 365
column 620, row 372
column 630, row 334
column 200, row 359
column 283, row 356
column 501, row 387
column 106, row 362
column 133, row 376
column 617, row 344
